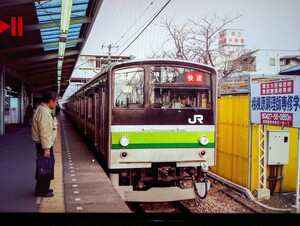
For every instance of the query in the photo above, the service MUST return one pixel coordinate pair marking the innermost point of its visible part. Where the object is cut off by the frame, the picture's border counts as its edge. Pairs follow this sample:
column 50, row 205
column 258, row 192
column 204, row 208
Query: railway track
column 239, row 201
column 163, row 207
column 220, row 199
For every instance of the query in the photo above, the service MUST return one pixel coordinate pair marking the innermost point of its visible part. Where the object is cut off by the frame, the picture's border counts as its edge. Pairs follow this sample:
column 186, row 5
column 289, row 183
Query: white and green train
column 154, row 123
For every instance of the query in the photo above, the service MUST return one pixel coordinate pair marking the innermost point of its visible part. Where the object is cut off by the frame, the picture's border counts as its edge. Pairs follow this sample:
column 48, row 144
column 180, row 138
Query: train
column 153, row 121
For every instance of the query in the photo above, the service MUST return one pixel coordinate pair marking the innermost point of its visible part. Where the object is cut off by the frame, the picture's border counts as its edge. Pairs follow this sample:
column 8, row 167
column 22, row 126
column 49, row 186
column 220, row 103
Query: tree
column 197, row 40
column 181, row 37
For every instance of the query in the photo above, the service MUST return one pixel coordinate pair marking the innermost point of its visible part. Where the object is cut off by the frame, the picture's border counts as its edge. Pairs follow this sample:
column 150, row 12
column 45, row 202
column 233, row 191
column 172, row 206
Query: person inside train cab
column 44, row 131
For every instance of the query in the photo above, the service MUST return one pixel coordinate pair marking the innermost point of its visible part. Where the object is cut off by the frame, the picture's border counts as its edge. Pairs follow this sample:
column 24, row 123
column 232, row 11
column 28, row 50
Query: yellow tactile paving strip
column 56, row 203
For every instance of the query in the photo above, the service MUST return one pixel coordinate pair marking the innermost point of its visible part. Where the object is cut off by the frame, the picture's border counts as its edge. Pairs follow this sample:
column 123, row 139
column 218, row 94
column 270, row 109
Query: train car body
column 153, row 121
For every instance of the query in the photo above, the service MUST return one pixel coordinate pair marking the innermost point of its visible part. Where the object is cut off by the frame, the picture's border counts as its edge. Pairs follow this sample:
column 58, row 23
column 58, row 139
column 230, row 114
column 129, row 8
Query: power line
column 135, row 21
column 145, row 27
column 136, row 31
column 130, row 28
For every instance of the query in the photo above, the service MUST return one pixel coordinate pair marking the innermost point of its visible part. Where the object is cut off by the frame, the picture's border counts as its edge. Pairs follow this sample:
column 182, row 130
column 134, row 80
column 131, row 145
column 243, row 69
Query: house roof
column 295, row 70
column 291, row 57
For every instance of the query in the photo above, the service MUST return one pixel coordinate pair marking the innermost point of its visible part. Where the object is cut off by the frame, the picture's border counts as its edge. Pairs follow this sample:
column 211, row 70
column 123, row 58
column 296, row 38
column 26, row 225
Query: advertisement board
column 232, row 37
column 276, row 103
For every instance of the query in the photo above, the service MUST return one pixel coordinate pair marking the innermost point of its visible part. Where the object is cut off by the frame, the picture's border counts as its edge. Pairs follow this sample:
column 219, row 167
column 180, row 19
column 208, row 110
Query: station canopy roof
column 40, row 41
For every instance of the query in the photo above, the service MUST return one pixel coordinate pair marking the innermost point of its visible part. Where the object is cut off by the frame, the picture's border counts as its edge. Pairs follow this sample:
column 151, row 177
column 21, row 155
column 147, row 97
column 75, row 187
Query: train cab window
column 177, row 88
column 129, row 88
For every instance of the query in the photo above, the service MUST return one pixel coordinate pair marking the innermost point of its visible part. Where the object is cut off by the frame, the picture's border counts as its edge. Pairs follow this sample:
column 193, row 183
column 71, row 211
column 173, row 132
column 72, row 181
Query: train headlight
column 203, row 140
column 124, row 141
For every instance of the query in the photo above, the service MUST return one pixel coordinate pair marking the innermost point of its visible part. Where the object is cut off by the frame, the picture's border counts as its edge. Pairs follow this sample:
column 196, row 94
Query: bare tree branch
column 197, row 40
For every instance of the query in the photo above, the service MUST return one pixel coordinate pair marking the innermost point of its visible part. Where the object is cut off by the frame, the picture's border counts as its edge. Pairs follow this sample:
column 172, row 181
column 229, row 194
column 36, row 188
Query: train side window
column 129, row 88
column 90, row 107
column 76, row 109
column 82, row 108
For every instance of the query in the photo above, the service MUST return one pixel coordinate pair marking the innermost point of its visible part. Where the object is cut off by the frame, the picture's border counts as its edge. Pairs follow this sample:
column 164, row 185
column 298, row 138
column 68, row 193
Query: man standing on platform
column 44, row 129
column 29, row 114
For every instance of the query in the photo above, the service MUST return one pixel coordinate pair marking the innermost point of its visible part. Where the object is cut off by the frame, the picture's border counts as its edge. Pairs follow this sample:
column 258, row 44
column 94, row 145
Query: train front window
column 177, row 87
column 129, row 88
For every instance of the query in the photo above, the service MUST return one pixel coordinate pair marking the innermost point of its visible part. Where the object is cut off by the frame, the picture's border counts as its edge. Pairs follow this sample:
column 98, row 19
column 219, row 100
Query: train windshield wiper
column 173, row 101
column 193, row 108
column 169, row 105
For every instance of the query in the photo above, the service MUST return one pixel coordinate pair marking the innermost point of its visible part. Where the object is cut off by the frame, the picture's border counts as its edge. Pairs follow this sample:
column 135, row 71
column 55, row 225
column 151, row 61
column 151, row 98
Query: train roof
column 143, row 61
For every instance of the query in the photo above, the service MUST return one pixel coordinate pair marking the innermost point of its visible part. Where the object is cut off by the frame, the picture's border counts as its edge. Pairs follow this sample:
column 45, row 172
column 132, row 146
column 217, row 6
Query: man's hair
column 49, row 95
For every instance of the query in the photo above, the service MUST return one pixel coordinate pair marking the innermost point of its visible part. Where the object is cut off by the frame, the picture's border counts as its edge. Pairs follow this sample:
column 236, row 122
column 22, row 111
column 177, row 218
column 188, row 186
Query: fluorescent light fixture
column 65, row 17
column 60, row 64
column 58, row 78
column 61, row 49
column 66, row 9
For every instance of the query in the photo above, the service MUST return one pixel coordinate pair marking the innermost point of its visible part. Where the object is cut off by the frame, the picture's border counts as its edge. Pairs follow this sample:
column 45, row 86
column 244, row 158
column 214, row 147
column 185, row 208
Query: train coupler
column 166, row 173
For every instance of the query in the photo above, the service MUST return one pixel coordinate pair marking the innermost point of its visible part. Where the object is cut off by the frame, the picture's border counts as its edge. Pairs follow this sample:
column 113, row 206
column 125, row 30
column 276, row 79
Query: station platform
column 80, row 184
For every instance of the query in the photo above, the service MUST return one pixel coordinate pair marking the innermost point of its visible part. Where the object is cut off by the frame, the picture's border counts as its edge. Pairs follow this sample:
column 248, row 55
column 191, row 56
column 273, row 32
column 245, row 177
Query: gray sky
column 268, row 24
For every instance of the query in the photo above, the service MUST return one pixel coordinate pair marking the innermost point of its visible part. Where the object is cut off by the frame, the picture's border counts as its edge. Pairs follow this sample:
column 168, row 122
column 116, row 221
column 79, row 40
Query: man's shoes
column 50, row 190
column 48, row 194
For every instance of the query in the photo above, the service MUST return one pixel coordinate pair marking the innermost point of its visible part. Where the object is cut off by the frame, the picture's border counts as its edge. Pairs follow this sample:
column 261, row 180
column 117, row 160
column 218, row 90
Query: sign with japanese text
column 276, row 103
column 233, row 37
column 194, row 77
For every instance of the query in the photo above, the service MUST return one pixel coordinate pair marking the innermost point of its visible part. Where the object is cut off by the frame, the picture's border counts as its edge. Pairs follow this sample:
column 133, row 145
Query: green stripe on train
column 162, row 139
column 165, row 145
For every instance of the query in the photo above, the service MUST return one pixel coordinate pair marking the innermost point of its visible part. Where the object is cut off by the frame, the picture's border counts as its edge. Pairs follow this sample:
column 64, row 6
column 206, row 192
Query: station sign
column 276, row 103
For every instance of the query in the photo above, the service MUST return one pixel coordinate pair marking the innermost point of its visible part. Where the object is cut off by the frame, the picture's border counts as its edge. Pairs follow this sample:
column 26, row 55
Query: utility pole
column 110, row 46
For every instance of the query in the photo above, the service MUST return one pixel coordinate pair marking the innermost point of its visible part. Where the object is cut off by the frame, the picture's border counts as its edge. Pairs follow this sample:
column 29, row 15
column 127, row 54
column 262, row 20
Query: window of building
column 272, row 62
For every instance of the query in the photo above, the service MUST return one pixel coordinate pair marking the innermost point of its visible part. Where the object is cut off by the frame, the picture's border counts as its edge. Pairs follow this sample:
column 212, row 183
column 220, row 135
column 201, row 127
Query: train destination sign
column 194, row 77
column 276, row 103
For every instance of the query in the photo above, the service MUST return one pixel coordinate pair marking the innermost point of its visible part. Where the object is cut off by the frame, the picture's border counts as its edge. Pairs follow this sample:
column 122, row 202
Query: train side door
column 96, row 123
column 101, row 132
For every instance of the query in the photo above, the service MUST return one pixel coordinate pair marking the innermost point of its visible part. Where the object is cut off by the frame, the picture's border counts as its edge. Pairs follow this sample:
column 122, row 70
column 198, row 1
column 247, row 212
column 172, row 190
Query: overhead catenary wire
column 135, row 21
column 153, row 18
column 136, row 31
column 156, row 15
column 126, row 32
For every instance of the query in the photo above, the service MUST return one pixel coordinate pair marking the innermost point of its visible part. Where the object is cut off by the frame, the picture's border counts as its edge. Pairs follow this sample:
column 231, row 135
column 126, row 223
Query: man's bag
column 45, row 168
